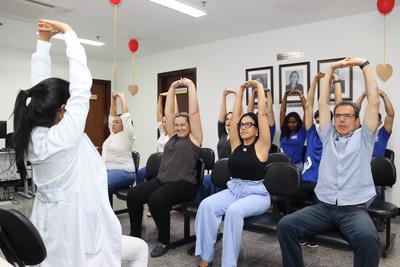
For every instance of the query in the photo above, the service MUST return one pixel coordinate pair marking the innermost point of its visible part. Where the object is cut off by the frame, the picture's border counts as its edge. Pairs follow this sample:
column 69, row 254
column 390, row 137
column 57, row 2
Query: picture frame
column 345, row 76
column 265, row 75
column 288, row 80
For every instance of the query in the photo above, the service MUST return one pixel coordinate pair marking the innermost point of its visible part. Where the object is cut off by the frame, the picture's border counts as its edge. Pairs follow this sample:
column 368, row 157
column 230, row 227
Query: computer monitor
column 3, row 129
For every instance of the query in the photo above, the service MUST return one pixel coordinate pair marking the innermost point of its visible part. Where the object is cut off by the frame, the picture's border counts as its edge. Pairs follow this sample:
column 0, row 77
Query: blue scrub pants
column 242, row 199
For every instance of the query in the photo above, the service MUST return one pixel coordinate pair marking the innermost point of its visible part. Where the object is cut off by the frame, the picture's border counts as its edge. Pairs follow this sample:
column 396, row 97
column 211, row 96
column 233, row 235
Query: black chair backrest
column 10, row 140
column 136, row 160
column 277, row 157
column 153, row 165
column 200, row 167
column 273, row 149
column 383, row 171
column 220, row 174
column 208, row 156
column 282, row 179
column 389, row 154
column 19, row 239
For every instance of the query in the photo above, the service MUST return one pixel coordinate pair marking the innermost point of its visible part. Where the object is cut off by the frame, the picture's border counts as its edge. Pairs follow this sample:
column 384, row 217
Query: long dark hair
column 254, row 117
column 46, row 98
column 285, row 131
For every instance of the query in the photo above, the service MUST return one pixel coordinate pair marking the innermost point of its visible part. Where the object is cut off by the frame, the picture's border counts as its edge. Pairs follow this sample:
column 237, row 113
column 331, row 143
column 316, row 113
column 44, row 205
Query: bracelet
column 338, row 81
column 364, row 64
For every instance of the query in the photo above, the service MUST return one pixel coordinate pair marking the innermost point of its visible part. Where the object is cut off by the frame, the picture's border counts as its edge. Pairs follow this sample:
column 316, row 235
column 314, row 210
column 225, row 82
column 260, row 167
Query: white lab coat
column 71, row 209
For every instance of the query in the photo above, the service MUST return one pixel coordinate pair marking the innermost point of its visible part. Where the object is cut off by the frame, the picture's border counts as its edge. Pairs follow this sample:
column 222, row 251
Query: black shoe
column 159, row 250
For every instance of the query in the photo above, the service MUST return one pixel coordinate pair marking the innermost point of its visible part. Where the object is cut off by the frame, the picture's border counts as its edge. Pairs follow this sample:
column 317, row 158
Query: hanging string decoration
column 133, row 47
column 385, row 70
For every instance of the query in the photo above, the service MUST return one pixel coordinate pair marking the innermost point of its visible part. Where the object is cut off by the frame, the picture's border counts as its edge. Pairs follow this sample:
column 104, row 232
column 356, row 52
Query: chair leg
column 389, row 239
column 186, row 226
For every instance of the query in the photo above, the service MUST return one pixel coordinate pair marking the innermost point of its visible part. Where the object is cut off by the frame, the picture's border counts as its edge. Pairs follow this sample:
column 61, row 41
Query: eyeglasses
column 346, row 116
column 245, row 125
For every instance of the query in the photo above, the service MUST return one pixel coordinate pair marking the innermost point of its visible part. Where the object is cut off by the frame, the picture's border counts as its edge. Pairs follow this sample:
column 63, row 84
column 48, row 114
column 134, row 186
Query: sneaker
column 312, row 245
column 303, row 243
column 159, row 250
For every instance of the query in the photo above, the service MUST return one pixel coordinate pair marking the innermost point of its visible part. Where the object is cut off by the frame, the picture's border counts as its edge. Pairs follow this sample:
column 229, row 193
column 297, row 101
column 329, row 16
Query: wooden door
column 166, row 78
column 97, row 119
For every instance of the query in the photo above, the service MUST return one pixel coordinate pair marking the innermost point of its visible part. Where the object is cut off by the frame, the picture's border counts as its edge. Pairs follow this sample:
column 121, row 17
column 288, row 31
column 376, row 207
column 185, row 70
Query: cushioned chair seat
column 333, row 239
column 266, row 222
column 189, row 208
column 122, row 193
column 382, row 209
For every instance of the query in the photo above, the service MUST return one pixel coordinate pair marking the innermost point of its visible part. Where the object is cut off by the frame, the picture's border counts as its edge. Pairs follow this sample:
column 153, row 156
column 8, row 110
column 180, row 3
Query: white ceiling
column 159, row 29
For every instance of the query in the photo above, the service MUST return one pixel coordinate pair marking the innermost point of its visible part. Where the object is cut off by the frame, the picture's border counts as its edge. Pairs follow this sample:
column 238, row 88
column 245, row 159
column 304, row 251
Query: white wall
column 15, row 75
column 223, row 63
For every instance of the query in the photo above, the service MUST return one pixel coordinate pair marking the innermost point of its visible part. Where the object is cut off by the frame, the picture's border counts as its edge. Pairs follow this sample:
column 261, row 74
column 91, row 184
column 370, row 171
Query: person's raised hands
column 228, row 91
column 319, row 75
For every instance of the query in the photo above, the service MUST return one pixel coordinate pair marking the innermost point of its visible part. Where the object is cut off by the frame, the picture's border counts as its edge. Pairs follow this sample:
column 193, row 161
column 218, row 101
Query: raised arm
column 41, row 61
column 236, row 113
column 169, row 109
column 360, row 100
column 196, row 130
column 222, row 109
column 160, row 107
column 70, row 129
column 113, row 106
column 388, row 124
column 338, row 88
column 371, row 118
column 252, row 100
column 124, row 104
column 264, row 141
column 302, row 98
column 323, row 102
column 282, row 114
column 309, row 107
column 270, row 111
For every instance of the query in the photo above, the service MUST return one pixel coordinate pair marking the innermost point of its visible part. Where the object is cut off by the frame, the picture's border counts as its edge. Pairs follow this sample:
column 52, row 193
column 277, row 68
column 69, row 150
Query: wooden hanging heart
column 384, row 71
column 133, row 89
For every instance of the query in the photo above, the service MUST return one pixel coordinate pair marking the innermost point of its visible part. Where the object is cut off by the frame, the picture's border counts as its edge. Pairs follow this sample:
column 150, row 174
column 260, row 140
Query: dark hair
column 285, row 131
column 293, row 72
column 184, row 115
column 254, row 117
column 46, row 99
column 351, row 104
column 316, row 114
column 226, row 115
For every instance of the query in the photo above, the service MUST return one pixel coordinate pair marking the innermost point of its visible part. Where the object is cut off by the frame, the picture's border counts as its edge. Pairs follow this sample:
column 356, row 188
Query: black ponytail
column 45, row 99
column 22, row 130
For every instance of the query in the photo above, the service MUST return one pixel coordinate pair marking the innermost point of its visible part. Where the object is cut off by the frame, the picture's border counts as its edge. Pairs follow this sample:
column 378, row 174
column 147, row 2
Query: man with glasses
column 345, row 181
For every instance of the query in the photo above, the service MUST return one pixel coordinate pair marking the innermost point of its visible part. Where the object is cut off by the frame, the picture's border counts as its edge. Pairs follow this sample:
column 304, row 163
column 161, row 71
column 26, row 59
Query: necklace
column 244, row 148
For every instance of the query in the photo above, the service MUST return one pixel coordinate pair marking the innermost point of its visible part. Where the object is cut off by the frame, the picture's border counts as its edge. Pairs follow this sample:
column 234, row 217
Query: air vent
column 289, row 55
column 31, row 10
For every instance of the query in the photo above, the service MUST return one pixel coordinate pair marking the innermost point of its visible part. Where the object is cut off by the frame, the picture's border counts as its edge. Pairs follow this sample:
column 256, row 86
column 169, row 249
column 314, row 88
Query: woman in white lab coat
column 71, row 209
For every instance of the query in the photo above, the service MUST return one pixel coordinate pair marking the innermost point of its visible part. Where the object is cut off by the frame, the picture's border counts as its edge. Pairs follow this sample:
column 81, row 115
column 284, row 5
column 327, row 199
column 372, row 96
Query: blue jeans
column 206, row 189
column 353, row 221
column 141, row 175
column 119, row 178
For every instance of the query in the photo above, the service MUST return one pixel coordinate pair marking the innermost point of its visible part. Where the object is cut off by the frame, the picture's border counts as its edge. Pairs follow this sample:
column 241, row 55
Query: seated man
column 345, row 181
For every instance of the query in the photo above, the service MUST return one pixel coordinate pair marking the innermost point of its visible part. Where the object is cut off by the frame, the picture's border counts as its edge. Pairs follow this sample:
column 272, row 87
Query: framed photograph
column 294, row 77
column 345, row 77
column 265, row 75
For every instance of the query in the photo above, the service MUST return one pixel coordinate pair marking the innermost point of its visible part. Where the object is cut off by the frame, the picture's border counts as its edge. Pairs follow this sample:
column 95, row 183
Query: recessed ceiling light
column 181, row 7
column 82, row 41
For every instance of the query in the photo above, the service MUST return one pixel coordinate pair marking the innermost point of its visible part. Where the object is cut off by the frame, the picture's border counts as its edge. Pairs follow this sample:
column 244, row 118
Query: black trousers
column 160, row 198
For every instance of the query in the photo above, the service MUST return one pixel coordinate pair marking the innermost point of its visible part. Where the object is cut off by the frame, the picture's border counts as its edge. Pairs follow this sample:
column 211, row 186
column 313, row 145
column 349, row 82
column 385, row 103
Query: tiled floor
column 256, row 249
